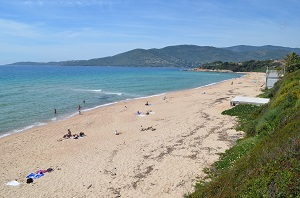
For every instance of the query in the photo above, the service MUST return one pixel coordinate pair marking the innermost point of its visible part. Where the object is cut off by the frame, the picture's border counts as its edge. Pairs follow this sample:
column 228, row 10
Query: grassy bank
column 266, row 163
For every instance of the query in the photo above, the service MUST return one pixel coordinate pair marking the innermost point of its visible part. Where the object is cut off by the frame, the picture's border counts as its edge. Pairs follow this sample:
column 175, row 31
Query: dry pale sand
column 189, row 134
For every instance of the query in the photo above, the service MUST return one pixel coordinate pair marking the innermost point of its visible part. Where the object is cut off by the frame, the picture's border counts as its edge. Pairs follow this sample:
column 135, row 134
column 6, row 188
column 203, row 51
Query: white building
column 271, row 78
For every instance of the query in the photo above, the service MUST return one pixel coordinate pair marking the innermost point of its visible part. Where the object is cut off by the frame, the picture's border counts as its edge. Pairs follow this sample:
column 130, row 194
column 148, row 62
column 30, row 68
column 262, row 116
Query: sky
column 59, row 30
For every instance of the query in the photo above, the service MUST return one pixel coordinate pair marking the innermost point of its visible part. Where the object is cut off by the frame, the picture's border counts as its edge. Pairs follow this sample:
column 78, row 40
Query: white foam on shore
column 215, row 83
column 99, row 106
column 88, row 90
column 5, row 134
column 145, row 97
column 37, row 124
column 113, row 93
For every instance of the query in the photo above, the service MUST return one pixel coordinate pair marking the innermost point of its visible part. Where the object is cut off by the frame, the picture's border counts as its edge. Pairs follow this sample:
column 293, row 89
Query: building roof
column 249, row 100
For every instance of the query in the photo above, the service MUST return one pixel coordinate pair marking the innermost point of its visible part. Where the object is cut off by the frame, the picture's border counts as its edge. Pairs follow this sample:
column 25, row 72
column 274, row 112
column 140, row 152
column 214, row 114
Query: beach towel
column 44, row 171
column 34, row 175
column 41, row 171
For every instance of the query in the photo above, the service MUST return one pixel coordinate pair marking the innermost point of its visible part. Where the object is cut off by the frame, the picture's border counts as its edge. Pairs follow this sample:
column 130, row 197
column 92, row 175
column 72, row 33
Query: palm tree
column 292, row 62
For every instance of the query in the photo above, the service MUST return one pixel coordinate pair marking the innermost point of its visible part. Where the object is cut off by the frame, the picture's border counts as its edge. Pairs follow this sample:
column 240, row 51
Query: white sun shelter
column 248, row 100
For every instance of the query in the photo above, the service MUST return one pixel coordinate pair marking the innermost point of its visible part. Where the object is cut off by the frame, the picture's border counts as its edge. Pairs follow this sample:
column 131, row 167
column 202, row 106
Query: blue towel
column 35, row 176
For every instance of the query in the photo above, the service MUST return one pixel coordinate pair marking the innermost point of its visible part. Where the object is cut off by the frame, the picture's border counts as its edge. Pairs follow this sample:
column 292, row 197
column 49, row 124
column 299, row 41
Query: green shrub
column 246, row 114
column 267, row 162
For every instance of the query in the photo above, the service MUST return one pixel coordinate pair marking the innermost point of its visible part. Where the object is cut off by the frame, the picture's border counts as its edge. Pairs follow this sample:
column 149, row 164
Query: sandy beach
column 157, row 155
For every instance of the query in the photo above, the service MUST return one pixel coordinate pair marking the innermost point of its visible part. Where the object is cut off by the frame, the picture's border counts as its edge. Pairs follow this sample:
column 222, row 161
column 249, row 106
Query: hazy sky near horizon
column 58, row 30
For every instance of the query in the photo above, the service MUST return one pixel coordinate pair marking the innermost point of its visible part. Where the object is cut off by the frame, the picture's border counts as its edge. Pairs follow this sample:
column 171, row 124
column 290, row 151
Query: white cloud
column 13, row 28
column 38, row 2
column 70, row 2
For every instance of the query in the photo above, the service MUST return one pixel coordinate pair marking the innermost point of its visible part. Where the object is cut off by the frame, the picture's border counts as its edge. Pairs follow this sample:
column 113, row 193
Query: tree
column 292, row 62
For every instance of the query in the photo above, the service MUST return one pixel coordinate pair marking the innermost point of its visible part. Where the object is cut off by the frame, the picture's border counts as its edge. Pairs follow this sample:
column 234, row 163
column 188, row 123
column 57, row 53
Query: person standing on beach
column 79, row 109
column 54, row 111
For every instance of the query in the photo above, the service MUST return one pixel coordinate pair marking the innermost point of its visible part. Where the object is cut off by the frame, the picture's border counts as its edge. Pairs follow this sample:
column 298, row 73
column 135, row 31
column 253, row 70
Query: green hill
column 190, row 56
column 266, row 163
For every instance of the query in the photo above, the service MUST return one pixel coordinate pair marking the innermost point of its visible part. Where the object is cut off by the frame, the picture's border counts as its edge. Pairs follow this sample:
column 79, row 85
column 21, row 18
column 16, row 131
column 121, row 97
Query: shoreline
column 189, row 134
column 70, row 115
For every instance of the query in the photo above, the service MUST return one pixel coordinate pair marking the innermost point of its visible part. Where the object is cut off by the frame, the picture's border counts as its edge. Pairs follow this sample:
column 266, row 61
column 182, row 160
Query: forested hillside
column 247, row 66
column 185, row 56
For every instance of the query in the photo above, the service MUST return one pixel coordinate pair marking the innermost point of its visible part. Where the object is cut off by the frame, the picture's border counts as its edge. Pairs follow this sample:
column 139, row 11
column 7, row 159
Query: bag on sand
column 29, row 180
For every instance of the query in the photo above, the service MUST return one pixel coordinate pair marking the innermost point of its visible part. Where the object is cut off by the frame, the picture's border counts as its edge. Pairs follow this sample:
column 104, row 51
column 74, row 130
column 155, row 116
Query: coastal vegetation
column 246, row 66
column 266, row 162
column 292, row 62
column 183, row 56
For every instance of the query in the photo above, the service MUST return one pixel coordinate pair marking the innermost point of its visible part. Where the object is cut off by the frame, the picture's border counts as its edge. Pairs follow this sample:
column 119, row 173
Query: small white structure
column 248, row 100
column 271, row 78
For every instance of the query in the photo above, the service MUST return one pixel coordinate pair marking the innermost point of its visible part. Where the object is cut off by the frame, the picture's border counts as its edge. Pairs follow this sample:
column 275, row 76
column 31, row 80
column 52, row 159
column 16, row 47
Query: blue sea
column 29, row 94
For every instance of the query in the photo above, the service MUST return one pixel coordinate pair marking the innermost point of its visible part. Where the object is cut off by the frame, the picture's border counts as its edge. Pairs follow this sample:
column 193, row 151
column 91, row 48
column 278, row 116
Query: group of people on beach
column 148, row 112
column 74, row 136
column 81, row 134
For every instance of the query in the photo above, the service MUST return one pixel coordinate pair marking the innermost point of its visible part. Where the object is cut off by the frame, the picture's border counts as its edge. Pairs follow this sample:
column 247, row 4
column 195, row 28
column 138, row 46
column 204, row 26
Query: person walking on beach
column 79, row 109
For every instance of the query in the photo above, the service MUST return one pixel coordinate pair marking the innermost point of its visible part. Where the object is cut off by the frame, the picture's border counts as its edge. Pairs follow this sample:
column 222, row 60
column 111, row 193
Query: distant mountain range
column 180, row 56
